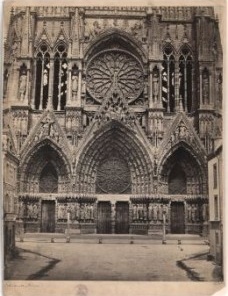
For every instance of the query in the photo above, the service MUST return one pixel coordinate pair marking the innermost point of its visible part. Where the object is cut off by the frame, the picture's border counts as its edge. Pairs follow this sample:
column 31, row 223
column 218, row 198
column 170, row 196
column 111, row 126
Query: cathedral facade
column 109, row 115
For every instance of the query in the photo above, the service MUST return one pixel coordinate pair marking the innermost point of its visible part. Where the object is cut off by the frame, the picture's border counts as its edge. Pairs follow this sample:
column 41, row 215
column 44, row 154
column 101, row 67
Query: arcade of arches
column 112, row 189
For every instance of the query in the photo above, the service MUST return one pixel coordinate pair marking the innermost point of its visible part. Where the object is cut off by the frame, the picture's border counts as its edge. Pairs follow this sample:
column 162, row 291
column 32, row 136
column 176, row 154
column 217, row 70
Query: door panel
column 104, row 224
column 48, row 216
column 177, row 217
column 122, row 217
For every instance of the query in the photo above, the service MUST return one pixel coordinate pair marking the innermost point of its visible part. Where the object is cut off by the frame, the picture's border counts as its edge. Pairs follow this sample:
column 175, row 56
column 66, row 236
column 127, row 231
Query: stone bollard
column 67, row 239
column 132, row 241
column 52, row 240
column 100, row 241
column 179, row 242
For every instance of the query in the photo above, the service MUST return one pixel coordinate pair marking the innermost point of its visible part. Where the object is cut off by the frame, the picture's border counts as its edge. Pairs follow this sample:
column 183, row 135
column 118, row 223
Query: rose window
column 114, row 71
column 113, row 176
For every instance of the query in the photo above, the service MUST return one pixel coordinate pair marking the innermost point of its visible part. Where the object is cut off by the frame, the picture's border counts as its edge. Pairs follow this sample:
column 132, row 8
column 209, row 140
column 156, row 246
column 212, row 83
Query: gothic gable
column 46, row 128
column 181, row 130
column 62, row 36
column 43, row 37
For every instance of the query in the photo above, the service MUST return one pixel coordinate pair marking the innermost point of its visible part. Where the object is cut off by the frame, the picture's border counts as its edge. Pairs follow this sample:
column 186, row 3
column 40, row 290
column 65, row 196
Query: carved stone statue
column 189, row 213
column 74, row 86
column 86, row 31
column 155, row 212
column 96, row 28
column 35, row 211
column 160, row 213
column 62, row 211
column 194, row 209
column 155, row 83
column 77, row 211
column 91, row 212
column 140, row 212
column 82, row 212
column 150, row 212
column 134, row 212
column 144, row 212
column 136, row 29
column 113, row 212
column 22, row 85
column 205, row 87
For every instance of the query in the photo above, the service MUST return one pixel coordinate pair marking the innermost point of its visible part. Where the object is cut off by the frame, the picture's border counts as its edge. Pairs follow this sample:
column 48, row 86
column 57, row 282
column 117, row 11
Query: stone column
column 69, row 86
column 50, row 85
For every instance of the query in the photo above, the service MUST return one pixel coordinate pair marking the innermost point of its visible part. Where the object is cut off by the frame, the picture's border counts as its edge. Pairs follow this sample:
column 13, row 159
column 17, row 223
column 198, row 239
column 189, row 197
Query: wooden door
column 104, row 224
column 122, row 217
column 48, row 216
column 177, row 217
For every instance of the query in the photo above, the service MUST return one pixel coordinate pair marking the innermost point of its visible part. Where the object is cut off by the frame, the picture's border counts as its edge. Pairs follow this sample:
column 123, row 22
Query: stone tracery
column 114, row 70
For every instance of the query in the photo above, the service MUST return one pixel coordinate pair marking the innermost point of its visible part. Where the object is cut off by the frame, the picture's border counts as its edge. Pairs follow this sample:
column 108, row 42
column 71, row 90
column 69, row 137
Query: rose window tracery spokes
column 114, row 71
column 113, row 176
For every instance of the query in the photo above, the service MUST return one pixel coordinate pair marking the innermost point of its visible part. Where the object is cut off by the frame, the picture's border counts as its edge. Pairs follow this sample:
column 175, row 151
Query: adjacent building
column 112, row 112
column 216, row 202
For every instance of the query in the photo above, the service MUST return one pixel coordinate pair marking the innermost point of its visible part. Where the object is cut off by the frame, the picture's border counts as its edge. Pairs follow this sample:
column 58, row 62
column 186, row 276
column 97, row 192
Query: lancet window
column 168, row 87
column 60, row 78
column 42, row 77
column 177, row 79
column 185, row 79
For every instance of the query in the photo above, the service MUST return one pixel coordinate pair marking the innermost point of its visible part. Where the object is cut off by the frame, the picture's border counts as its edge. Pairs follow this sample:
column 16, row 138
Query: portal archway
column 115, row 141
column 181, row 173
column 45, row 169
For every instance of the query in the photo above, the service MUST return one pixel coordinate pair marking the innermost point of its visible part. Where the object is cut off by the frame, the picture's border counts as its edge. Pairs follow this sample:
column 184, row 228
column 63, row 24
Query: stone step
column 112, row 237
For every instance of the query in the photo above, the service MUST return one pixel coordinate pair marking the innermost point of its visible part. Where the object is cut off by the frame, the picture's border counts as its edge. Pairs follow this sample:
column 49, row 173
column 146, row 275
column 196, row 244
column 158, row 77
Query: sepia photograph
column 112, row 145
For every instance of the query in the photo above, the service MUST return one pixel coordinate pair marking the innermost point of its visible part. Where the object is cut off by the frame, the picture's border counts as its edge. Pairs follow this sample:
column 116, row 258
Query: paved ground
column 112, row 261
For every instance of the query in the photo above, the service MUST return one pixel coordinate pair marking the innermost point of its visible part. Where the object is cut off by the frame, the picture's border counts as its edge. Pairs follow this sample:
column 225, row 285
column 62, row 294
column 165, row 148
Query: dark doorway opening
column 48, row 216
column 177, row 217
column 177, row 181
column 122, row 217
column 104, row 224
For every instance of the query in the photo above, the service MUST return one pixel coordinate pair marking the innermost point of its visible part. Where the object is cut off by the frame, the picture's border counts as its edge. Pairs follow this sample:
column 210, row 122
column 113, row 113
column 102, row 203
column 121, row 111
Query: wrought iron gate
column 177, row 217
column 104, row 224
column 48, row 216
column 122, row 217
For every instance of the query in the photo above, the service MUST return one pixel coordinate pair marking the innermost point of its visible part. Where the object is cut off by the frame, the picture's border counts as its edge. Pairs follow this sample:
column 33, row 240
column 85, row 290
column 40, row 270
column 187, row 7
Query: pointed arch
column 183, row 157
column 42, row 76
column 45, row 153
column 186, row 77
column 112, row 38
column 114, row 136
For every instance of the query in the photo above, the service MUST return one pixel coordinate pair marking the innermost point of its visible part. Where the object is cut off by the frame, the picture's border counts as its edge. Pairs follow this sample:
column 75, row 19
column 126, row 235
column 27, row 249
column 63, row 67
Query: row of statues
column 153, row 212
column 28, row 210
column 137, row 28
column 77, row 211
column 140, row 212
column 196, row 213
